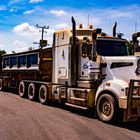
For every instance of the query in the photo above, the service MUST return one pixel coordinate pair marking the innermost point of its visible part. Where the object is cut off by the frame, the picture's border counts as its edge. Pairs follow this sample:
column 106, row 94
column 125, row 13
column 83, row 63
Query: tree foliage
column 31, row 48
column 130, row 47
column 2, row 52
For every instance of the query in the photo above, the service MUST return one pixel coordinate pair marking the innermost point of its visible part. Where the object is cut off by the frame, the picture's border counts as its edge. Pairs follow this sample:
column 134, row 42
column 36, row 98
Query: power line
column 42, row 42
column 42, row 30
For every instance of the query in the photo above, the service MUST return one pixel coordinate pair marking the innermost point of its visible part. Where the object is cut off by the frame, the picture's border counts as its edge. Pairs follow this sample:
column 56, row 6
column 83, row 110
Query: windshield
column 111, row 48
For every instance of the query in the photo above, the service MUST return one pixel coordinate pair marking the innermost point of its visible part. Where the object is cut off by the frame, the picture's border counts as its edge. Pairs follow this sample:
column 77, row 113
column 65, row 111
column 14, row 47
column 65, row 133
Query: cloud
column 35, row 1
column 28, row 12
column 120, row 13
column 61, row 26
column 25, row 29
column 1, row 46
column 20, row 46
column 23, row 37
column 100, row 18
column 58, row 12
column 14, row 2
column 13, row 10
column 2, row 7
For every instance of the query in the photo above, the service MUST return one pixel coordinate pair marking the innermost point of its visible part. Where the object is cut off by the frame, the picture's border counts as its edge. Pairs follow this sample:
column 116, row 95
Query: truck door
column 84, row 58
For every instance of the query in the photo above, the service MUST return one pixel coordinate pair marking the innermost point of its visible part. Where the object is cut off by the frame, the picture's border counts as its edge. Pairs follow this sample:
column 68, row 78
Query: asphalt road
column 21, row 119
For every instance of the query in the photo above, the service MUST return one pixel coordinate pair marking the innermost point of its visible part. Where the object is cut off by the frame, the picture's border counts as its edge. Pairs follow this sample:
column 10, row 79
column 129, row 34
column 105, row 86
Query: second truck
column 85, row 68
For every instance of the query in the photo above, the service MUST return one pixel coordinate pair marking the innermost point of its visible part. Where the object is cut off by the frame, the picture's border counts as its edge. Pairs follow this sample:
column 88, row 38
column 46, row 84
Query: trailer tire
column 43, row 94
column 31, row 92
column 106, row 108
column 1, row 85
column 22, row 89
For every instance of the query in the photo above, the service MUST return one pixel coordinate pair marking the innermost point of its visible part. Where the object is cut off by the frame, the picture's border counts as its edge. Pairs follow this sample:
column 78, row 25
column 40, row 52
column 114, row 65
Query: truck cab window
column 13, row 62
column 112, row 48
column 6, row 62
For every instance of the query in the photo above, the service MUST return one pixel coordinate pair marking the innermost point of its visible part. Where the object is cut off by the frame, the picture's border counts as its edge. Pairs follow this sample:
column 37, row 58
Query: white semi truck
column 85, row 68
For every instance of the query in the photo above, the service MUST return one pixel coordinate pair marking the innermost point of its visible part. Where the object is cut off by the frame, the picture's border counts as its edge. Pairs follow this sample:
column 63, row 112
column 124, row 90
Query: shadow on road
column 134, row 126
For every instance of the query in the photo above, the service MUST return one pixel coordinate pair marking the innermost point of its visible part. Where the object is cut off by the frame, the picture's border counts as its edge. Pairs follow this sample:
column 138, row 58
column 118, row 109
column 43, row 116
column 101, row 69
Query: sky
column 18, row 19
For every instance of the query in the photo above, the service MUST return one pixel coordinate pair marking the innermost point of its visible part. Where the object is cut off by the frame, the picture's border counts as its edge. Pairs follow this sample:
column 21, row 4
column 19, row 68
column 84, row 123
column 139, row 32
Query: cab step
column 77, row 106
column 78, row 99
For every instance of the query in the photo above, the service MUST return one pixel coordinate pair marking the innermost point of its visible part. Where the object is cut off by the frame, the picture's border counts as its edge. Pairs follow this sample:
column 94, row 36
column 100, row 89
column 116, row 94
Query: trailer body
column 33, row 65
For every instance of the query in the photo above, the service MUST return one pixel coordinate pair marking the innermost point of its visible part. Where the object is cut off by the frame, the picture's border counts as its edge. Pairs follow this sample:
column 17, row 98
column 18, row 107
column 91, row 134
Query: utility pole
column 43, row 42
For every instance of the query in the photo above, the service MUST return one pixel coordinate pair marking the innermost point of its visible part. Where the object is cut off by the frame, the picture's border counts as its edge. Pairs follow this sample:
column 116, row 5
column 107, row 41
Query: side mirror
column 85, row 49
column 135, row 41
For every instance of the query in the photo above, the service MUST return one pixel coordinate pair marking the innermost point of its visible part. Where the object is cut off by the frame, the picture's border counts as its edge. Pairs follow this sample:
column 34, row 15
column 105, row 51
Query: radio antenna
column 88, row 22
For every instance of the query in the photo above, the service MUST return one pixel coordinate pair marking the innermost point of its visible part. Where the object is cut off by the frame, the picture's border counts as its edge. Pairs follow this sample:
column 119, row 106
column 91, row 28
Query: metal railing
column 133, row 99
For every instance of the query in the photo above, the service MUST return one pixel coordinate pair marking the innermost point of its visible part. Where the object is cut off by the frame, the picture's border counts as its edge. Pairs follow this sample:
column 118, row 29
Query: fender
column 115, row 86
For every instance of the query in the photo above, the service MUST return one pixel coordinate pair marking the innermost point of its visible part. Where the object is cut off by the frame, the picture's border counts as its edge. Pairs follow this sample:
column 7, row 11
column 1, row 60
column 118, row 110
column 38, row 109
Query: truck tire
column 31, row 91
column 43, row 94
column 106, row 108
column 1, row 85
column 22, row 89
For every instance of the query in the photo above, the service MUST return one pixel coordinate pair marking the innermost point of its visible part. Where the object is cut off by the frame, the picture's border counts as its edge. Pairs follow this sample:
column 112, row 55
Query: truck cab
column 94, row 70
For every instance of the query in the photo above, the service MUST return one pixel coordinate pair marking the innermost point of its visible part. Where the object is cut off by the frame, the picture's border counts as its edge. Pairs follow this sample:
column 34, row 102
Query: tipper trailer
column 85, row 68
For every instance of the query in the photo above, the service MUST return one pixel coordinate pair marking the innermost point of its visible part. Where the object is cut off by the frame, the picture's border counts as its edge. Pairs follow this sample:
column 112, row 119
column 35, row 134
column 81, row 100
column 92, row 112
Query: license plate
column 136, row 103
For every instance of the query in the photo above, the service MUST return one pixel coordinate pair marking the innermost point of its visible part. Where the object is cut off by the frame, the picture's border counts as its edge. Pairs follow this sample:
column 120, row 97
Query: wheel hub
column 42, row 94
column 21, row 89
column 106, row 108
column 31, row 91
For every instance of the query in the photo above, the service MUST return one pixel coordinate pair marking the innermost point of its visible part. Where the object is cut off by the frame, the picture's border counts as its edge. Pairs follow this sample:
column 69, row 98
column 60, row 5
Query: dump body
column 31, row 65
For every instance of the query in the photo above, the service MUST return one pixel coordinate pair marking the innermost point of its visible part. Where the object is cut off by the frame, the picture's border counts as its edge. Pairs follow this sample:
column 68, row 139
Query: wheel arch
column 112, row 93
column 119, row 111
column 115, row 87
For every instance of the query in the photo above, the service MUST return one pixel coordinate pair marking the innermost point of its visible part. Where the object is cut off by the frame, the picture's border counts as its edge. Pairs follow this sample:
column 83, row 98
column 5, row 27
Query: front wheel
column 43, row 94
column 106, row 108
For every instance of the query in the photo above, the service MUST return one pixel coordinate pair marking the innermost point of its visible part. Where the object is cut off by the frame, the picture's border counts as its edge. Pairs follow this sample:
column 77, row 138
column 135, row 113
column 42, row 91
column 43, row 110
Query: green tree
column 2, row 52
column 130, row 47
column 31, row 48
